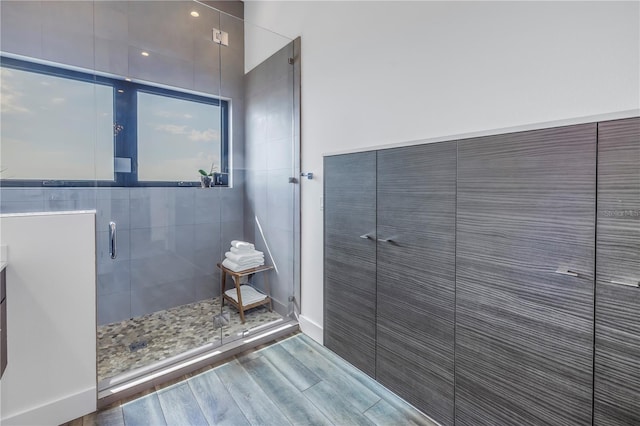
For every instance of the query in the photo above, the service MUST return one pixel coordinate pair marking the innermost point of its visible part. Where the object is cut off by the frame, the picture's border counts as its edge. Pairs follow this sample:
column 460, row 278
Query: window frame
column 125, row 142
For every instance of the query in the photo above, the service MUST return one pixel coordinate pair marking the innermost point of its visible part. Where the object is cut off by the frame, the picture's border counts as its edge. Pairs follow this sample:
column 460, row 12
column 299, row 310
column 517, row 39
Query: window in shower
column 178, row 135
column 52, row 116
column 50, row 121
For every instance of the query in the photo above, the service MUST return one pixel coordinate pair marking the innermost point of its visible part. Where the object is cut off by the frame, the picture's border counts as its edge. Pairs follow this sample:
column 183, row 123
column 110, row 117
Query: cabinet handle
column 567, row 272
column 112, row 240
column 386, row 240
column 628, row 284
column 366, row 237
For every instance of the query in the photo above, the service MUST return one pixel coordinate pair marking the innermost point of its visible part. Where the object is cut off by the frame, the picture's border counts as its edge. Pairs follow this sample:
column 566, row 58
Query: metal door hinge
column 290, row 61
column 220, row 37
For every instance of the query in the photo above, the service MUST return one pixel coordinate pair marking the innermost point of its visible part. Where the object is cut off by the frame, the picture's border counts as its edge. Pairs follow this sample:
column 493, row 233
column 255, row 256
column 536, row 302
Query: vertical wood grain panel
column 350, row 261
column 524, row 334
column 416, row 275
column 617, row 356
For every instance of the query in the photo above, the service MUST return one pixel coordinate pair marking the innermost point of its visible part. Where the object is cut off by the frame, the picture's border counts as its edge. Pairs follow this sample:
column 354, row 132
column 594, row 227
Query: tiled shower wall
column 169, row 239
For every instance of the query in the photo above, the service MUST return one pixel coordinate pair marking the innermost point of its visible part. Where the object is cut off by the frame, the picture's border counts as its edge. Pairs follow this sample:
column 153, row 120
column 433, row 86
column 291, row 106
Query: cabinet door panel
column 350, row 261
column 617, row 356
column 524, row 332
column 416, row 275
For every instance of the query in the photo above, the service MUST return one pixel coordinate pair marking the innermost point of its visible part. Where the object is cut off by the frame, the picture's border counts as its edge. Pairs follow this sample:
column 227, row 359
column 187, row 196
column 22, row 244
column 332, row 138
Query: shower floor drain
column 138, row 345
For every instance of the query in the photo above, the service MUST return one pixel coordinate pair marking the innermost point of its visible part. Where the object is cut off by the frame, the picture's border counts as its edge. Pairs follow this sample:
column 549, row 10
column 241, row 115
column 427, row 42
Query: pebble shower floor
column 130, row 344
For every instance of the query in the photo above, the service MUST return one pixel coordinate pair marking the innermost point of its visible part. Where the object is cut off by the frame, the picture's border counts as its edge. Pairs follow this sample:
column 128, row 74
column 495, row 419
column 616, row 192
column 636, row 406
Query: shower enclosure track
column 143, row 378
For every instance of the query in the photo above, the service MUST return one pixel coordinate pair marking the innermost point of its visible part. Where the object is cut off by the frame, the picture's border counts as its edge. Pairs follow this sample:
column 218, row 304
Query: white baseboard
column 56, row 412
column 311, row 329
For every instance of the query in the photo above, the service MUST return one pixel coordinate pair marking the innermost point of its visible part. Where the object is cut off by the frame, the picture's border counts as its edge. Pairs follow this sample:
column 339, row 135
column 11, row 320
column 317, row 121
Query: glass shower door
column 270, row 180
column 156, row 293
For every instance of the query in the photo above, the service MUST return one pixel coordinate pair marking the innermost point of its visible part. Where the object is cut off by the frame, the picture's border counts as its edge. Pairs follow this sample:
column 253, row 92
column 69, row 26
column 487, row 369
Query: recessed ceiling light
column 144, row 53
column 127, row 79
column 194, row 14
column 120, row 91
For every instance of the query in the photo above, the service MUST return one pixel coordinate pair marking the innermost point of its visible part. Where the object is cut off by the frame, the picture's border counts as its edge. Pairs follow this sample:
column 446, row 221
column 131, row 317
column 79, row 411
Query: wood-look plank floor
column 293, row 381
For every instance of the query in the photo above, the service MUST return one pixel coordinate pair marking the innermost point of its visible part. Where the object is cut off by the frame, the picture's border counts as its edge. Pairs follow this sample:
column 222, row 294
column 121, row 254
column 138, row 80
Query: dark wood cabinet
column 493, row 280
column 617, row 338
column 350, row 258
column 416, row 196
column 525, row 277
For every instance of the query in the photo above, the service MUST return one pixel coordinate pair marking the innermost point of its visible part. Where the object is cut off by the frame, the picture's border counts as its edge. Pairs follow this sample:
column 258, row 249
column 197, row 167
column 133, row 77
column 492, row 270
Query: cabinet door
column 617, row 356
column 525, row 278
column 416, row 275
column 350, row 258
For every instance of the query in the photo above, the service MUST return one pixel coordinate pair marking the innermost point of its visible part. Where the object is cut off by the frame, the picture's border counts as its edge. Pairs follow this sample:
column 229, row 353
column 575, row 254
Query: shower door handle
column 112, row 240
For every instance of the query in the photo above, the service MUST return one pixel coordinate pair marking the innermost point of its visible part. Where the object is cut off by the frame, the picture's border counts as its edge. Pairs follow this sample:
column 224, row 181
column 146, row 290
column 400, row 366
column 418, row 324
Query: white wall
column 375, row 73
column 51, row 318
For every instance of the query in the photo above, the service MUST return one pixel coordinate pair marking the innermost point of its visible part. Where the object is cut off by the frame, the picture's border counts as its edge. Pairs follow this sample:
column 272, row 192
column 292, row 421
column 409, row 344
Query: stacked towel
column 242, row 256
column 242, row 245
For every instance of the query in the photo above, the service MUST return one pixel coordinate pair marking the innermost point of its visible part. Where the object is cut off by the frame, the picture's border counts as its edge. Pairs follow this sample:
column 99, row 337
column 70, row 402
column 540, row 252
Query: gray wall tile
column 149, row 242
column 160, row 68
column 231, row 230
column 111, row 56
column 67, row 32
column 232, row 206
column 181, row 203
column 116, row 210
column 174, row 39
column 207, row 286
column 280, row 153
column 235, row 28
column 21, row 29
column 111, row 21
column 21, row 194
column 205, row 261
column 21, row 206
column 114, row 307
column 152, row 299
column 114, row 277
column 280, row 109
column 207, row 206
column 207, row 237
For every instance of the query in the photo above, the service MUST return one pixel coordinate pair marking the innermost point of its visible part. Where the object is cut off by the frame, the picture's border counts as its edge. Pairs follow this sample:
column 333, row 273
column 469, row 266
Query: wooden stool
column 236, row 280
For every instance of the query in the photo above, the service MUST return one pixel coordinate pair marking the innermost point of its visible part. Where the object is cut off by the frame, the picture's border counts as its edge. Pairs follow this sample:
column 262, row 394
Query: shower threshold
column 135, row 381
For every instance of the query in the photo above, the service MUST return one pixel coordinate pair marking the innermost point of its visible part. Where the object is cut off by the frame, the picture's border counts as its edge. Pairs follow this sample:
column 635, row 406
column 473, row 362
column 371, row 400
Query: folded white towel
column 243, row 250
column 242, row 244
column 227, row 263
column 248, row 262
column 244, row 258
column 249, row 295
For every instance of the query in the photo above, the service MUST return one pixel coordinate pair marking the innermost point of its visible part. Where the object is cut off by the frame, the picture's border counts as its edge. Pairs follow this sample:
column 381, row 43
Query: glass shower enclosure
column 148, row 113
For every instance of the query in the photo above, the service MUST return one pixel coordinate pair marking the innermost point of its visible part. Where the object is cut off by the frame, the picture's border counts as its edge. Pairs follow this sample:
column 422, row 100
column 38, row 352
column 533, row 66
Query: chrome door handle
column 366, row 237
column 567, row 272
column 626, row 283
column 112, row 240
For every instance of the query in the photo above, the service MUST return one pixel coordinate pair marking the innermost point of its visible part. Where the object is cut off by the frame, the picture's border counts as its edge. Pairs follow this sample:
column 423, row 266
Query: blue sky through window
column 55, row 128
column 176, row 137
